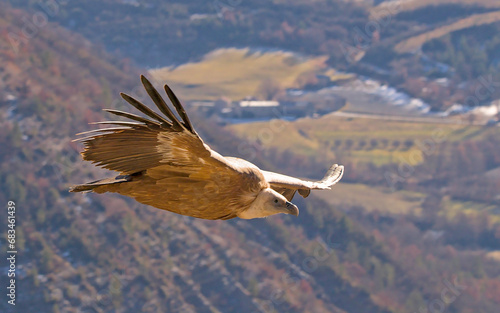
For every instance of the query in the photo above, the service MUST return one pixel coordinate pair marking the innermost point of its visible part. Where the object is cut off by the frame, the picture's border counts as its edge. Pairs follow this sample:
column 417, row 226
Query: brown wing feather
column 287, row 193
column 127, row 151
column 179, row 173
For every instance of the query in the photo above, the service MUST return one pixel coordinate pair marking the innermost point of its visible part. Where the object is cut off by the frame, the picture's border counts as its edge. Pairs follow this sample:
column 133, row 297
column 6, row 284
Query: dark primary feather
column 144, row 109
column 159, row 102
column 133, row 117
column 120, row 123
column 102, row 182
column 101, row 130
column 180, row 109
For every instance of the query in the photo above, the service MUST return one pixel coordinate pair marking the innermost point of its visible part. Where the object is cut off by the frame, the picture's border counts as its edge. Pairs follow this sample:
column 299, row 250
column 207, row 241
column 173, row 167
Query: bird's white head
column 269, row 202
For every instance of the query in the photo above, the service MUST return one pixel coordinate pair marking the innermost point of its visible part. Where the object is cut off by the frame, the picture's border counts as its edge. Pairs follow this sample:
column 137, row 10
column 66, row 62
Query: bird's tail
column 98, row 183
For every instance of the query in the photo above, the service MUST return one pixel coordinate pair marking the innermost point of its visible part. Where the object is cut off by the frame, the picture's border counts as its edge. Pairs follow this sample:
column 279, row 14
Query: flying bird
column 164, row 163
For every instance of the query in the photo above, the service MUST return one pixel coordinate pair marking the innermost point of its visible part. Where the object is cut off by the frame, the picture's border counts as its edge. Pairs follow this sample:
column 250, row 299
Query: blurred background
column 405, row 94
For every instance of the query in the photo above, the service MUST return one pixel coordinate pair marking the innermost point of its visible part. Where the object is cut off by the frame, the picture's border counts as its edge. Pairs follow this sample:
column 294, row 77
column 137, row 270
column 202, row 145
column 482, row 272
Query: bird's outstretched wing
column 288, row 186
column 141, row 144
column 178, row 171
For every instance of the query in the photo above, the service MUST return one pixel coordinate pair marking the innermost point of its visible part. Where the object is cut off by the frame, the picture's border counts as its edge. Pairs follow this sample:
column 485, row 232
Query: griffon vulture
column 164, row 163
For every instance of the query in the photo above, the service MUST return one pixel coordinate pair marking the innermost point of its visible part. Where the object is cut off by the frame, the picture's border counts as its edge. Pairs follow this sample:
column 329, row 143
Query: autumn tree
column 268, row 89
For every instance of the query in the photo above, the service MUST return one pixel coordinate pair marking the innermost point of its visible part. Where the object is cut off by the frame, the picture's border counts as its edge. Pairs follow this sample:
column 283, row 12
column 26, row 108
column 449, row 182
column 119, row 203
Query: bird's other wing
column 287, row 185
column 179, row 172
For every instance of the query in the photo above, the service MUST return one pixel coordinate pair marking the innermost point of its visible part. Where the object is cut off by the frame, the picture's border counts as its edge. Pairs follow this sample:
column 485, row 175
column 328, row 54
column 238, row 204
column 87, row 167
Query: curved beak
column 292, row 209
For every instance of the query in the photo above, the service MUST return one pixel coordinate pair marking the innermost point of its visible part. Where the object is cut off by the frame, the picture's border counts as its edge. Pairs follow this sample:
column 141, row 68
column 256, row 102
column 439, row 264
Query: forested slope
column 106, row 253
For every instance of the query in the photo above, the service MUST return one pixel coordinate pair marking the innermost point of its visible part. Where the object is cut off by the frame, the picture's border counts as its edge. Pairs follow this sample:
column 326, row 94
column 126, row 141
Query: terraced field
column 356, row 139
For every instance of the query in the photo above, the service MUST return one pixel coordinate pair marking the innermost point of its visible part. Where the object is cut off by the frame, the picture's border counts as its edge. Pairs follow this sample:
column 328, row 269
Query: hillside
column 106, row 253
column 378, row 39
column 380, row 146
column 412, row 5
column 414, row 43
column 162, row 33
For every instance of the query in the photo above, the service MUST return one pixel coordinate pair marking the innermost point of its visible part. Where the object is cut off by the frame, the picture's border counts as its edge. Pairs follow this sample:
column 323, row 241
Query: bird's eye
column 275, row 200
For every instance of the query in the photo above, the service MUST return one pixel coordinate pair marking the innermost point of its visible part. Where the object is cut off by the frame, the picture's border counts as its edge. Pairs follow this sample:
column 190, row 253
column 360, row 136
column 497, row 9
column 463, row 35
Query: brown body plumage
column 164, row 163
